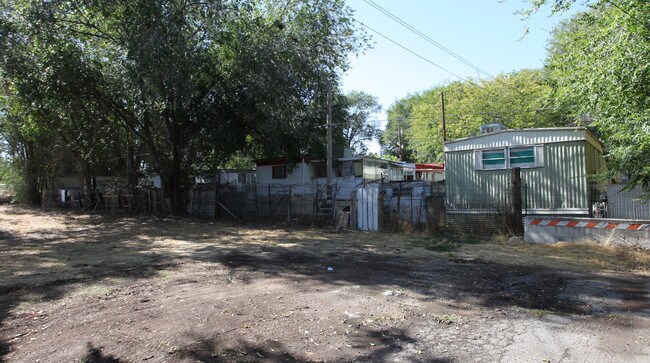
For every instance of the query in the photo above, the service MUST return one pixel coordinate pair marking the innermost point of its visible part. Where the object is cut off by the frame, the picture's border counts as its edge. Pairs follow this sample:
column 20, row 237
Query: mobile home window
column 493, row 159
column 522, row 157
column 506, row 158
column 279, row 172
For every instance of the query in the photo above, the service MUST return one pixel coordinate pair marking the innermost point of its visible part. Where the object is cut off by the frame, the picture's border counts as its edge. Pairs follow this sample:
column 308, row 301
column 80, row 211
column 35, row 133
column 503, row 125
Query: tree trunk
column 173, row 181
column 31, row 177
column 33, row 190
column 89, row 188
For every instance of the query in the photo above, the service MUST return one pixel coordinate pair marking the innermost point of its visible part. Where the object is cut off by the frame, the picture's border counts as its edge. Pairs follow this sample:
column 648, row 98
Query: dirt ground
column 120, row 288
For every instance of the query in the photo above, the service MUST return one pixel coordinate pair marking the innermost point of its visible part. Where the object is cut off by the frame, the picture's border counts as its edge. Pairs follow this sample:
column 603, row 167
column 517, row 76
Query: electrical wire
column 438, row 45
column 428, row 116
column 427, row 38
column 416, row 54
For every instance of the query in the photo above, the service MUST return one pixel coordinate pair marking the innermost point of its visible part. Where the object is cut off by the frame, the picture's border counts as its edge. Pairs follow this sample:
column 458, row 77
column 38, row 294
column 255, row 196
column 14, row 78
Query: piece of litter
column 330, row 268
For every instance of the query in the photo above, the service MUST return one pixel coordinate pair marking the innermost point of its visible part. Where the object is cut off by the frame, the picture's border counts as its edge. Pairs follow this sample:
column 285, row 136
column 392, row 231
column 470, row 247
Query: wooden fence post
column 270, row 204
column 217, row 203
column 257, row 203
column 289, row 206
column 243, row 204
column 399, row 206
column 216, row 199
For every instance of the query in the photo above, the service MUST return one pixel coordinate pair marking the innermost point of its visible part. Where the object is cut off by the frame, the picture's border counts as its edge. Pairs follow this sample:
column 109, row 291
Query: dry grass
column 584, row 256
column 95, row 235
column 587, row 256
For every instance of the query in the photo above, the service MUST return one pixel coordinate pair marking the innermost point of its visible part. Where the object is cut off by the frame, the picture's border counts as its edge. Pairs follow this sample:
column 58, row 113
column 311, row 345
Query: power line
column 440, row 46
column 638, row 22
column 429, row 116
column 415, row 54
column 427, row 38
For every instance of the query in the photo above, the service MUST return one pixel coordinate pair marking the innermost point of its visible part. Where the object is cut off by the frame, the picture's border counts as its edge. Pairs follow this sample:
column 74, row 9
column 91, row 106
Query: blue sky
column 487, row 33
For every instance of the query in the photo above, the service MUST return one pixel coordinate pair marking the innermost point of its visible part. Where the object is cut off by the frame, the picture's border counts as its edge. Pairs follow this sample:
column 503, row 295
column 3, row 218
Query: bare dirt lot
column 119, row 288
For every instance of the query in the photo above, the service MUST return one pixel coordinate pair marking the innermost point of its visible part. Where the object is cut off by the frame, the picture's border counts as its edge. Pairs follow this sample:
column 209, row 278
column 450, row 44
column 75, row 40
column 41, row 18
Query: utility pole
column 400, row 146
column 444, row 125
column 329, row 140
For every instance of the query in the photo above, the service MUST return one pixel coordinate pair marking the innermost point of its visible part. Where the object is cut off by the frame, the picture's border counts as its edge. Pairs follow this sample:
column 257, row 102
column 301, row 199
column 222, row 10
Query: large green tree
column 358, row 124
column 517, row 100
column 394, row 140
column 191, row 82
column 599, row 60
column 30, row 151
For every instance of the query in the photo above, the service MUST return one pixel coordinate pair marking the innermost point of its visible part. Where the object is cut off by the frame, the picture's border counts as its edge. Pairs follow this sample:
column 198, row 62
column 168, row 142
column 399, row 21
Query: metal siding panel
column 367, row 209
column 469, row 188
column 626, row 204
column 517, row 137
column 594, row 160
column 559, row 184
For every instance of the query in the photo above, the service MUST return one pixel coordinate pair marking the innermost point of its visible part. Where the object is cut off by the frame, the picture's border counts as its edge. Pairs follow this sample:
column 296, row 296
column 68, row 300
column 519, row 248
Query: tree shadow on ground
column 95, row 355
column 492, row 284
column 45, row 265
column 383, row 346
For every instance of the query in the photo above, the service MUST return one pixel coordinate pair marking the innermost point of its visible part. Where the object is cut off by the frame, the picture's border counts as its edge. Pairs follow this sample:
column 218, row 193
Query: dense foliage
column 516, row 100
column 393, row 140
column 172, row 85
column 600, row 61
column 597, row 74
column 357, row 123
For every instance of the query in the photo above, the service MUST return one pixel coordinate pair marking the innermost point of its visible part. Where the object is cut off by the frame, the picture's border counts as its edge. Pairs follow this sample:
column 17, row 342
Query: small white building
column 308, row 176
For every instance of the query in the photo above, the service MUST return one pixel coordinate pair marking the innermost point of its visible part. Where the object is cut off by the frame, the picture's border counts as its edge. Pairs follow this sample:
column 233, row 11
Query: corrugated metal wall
column 474, row 189
column 559, row 186
column 595, row 161
column 624, row 204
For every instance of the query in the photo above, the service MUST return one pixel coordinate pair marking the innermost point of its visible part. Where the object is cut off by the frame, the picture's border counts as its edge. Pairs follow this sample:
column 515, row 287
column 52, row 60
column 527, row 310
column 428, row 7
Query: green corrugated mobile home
column 555, row 164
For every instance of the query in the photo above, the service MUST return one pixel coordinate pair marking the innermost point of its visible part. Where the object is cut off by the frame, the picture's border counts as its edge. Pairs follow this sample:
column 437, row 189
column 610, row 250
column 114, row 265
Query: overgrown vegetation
column 169, row 86
column 179, row 89
column 596, row 74
column 517, row 100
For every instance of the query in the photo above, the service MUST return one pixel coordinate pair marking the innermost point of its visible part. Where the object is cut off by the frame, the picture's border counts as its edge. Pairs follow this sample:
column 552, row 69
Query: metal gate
column 367, row 207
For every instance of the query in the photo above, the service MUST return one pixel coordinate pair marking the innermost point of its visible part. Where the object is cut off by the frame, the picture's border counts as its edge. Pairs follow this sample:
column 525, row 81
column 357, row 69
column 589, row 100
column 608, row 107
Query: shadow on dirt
column 212, row 351
column 388, row 343
column 95, row 355
column 494, row 285
column 48, row 264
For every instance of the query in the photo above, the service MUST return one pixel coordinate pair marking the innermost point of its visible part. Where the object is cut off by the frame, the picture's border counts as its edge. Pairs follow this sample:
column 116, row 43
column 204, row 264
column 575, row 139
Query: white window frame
column 538, row 154
column 522, row 165
column 494, row 167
